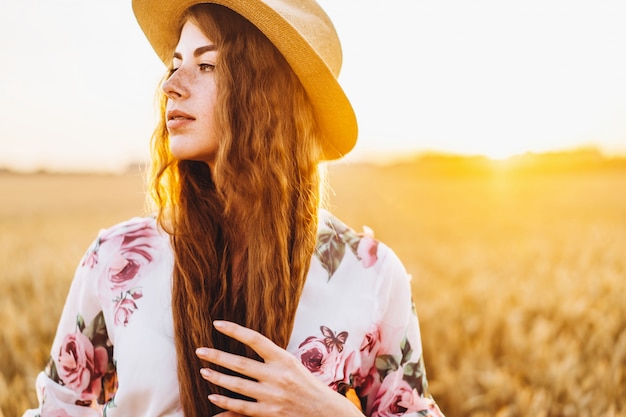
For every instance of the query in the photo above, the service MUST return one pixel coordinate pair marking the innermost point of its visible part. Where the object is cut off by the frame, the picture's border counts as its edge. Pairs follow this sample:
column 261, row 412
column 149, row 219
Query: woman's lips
column 177, row 119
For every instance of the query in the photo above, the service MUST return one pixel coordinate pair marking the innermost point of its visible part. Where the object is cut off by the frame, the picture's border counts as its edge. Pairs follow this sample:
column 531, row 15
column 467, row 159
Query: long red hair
column 243, row 233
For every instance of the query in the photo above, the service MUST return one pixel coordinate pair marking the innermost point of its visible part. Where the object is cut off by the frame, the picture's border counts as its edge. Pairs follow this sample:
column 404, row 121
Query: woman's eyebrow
column 208, row 48
column 199, row 51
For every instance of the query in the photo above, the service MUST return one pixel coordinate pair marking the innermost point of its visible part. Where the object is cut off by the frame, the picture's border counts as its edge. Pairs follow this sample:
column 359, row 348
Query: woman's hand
column 281, row 386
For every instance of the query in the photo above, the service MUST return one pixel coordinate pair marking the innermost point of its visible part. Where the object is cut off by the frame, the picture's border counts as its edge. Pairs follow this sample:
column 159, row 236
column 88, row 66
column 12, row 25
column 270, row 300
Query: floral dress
column 113, row 354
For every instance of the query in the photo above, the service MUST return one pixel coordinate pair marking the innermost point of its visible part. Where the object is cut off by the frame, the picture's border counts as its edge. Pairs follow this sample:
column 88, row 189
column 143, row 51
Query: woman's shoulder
column 136, row 230
column 339, row 243
column 139, row 234
column 130, row 225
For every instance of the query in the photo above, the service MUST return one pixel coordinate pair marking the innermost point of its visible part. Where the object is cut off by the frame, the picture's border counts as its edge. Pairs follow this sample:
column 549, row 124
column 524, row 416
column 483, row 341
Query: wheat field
column 519, row 276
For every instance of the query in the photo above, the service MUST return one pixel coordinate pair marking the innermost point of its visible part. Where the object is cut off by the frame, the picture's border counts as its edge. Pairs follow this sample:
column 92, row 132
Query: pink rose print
column 366, row 380
column 367, row 250
column 367, row 377
column 371, row 342
column 132, row 230
column 81, row 366
column 323, row 356
column 135, row 252
column 414, row 403
column 132, row 246
column 343, row 377
column 125, row 306
column 318, row 360
column 396, row 397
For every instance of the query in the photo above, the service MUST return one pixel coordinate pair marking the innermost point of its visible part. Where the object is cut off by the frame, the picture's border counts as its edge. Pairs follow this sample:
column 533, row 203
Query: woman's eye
column 206, row 67
column 171, row 72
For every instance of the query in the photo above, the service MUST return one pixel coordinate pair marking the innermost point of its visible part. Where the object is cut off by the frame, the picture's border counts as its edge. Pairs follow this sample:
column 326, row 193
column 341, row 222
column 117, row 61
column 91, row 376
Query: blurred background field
column 519, row 272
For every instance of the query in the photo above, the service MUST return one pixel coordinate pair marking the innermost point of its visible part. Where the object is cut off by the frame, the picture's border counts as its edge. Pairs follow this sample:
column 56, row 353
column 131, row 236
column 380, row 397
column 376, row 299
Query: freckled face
column 191, row 91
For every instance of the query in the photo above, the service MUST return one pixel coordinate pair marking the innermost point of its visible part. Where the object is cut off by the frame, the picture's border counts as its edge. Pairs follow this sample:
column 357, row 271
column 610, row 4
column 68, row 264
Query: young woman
column 241, row 296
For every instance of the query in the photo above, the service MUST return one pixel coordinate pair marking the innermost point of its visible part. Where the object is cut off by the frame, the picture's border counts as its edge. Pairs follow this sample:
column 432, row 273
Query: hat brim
column 333, row 112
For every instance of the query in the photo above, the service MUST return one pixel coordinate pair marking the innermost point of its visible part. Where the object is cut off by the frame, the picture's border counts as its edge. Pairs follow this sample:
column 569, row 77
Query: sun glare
column 496, row 150
column 500, row 153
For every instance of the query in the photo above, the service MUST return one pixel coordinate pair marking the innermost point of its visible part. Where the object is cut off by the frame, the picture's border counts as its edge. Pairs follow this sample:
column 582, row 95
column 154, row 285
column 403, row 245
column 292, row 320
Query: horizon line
column 388, row 158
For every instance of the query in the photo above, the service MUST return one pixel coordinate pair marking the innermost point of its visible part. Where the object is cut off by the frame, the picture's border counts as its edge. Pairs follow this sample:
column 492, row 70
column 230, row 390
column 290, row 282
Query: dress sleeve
column 80, row 376
column 397, row 385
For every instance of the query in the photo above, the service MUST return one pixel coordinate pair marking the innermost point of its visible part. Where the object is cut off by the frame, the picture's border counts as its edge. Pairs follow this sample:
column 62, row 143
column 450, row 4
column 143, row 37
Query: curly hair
column 242, row 232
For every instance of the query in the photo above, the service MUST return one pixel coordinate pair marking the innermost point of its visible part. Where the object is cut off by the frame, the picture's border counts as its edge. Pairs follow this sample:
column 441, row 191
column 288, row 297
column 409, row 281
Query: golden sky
column 492, row 77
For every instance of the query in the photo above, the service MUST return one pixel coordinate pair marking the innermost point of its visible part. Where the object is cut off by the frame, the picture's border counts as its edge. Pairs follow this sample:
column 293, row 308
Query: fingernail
column 206, row 372
column 219, row 324
column 202, row 351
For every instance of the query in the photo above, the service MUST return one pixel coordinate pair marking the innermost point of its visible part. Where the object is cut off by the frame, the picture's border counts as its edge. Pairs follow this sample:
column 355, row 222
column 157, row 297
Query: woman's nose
column 174, row 86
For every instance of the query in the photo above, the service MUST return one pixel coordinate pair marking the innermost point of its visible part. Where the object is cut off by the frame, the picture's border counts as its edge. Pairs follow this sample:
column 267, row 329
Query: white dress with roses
column 114, row 355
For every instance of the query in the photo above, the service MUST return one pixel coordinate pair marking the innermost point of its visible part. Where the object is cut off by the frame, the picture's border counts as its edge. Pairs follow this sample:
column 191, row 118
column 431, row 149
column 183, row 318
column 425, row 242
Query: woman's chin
column 191, row 156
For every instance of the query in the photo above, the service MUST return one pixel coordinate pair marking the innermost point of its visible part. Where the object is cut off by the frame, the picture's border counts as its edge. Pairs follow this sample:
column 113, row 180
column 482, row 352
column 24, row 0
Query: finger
column 259, row 343
column 235, row 406
column 232, row 383
column 228, row 414
column 239, row 364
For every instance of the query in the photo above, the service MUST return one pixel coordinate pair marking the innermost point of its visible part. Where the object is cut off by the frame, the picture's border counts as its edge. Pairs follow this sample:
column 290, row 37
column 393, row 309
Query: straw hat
column 300, row 30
